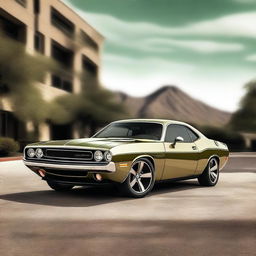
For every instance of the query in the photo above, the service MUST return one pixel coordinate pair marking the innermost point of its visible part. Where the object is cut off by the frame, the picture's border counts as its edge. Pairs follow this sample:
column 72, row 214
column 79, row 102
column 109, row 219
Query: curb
column 5, row 159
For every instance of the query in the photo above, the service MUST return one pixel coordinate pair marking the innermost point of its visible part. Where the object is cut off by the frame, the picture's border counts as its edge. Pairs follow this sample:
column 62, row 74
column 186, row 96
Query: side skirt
column 179, row 179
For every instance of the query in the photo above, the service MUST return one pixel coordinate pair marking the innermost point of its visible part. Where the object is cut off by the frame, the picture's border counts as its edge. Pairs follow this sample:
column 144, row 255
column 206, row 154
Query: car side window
column 192, row 134
column 175, row 130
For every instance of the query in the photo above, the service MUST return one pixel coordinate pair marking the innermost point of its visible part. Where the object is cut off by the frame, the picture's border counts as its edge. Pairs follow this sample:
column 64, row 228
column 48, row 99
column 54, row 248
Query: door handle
column 194, row 147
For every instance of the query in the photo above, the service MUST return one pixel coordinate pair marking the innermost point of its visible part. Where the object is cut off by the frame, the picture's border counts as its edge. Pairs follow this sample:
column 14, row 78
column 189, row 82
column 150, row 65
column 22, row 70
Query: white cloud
column 251, row 58
column 202, row 46
column 241, row 25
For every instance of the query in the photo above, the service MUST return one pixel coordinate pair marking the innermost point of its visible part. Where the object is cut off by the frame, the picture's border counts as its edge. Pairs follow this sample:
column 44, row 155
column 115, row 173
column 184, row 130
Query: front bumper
column 108, row 168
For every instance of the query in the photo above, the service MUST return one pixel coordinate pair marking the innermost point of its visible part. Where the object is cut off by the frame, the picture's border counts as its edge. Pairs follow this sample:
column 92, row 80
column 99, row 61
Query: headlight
column 98, row 156
column 39, row 153
column 108, row 156
column 31, row 152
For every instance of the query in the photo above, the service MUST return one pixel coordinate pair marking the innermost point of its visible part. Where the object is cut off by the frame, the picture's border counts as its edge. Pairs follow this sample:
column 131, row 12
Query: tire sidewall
column 209, row 175
column 127, row 181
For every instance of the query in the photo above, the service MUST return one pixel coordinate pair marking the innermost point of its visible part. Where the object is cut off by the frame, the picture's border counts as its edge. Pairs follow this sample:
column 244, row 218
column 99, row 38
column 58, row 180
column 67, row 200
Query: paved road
column 176, row 219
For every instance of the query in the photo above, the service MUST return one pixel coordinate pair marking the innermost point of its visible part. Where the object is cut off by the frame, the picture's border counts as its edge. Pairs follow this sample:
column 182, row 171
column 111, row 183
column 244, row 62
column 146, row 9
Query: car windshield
column 137, row 130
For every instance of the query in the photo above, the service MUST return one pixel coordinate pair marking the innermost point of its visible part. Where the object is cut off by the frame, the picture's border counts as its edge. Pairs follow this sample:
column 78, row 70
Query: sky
column 205, row 47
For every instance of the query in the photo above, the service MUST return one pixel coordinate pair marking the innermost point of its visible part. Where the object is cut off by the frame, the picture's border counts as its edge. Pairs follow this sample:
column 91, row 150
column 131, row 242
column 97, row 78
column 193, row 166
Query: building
column 49, row 27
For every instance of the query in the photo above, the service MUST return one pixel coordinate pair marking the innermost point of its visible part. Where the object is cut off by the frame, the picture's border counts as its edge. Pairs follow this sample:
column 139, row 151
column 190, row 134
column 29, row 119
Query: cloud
column 251, row 58
column 239, row 25
column 144, row 36
column 202, row 46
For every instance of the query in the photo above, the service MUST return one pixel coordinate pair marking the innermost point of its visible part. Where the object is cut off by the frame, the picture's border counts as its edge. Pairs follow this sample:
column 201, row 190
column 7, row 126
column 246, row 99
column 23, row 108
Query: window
column 90, row 66
column 62, row 83
column 175, row 130
column 22, row 2
column 139, row 130
column 8, row 125
column 192, row 134
column 62, row 23
column 12, row 27
column 39, row 42
column 62, row 55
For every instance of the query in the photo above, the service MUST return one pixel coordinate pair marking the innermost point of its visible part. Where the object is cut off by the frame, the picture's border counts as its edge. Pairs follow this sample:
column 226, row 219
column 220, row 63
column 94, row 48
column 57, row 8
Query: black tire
column 140, row 180
column 210, row 176
column 59, row 187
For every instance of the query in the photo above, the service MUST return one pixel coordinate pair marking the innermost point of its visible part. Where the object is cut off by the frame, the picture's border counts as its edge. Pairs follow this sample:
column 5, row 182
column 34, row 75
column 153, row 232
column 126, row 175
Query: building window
column 36, row 6
column 22, row 2
column 39, row 42
column 8, row 125
column 12, row 27
column 62, row 55
column 62, row 82
column 90, row 67
column 62, row 23
column 63, row 79
column 89, row 41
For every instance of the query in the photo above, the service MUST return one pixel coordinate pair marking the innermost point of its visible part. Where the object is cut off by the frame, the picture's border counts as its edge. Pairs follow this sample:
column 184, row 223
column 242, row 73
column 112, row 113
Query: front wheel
column 140, row 180
column 210, row 176
column 59, row 187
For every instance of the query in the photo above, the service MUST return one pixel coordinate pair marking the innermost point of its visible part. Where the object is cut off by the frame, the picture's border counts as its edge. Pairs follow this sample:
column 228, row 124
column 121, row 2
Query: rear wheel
column 210, row 176
column 140, row 180
column 59, row 187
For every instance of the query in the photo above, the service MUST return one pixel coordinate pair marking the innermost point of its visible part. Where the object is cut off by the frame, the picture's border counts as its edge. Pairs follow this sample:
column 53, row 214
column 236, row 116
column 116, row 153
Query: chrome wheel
column 141, row 177
column 210, row 175
column 213, row 170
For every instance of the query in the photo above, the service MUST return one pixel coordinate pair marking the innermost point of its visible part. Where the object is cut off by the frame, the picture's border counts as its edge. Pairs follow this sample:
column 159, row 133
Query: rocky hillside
column 172, row 103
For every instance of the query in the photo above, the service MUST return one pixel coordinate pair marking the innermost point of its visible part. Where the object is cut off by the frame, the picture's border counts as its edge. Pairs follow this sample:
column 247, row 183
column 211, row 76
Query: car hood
column 99, row 143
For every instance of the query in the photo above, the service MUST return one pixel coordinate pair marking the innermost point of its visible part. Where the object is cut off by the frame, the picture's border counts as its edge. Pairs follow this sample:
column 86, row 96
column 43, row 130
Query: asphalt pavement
column 179, row 218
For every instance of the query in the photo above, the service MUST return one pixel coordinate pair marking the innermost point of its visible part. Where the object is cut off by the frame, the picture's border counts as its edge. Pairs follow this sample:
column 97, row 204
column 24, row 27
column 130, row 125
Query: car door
column 181, row 158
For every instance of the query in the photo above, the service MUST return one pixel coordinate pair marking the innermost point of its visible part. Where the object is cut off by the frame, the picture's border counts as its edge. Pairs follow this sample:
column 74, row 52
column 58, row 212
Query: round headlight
column 31, row 152
column 108, row 156
column 39, row 153
column 98, row 156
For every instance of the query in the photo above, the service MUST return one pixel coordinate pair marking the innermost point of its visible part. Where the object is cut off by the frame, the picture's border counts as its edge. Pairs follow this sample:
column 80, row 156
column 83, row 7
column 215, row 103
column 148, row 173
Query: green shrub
column 7, row 146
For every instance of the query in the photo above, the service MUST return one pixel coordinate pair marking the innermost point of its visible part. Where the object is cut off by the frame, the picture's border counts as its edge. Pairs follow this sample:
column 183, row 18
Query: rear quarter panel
column 207, row 149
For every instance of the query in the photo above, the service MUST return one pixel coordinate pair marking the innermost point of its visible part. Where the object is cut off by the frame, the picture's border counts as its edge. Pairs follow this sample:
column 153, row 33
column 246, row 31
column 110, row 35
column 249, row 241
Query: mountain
column 170, row 102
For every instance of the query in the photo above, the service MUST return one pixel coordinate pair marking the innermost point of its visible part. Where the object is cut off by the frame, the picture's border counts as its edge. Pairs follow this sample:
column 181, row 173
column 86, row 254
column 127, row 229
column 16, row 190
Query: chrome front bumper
column 110, row 167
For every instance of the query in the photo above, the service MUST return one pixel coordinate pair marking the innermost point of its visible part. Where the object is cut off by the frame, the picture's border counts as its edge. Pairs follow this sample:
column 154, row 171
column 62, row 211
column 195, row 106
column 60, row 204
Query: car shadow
column 90, row 196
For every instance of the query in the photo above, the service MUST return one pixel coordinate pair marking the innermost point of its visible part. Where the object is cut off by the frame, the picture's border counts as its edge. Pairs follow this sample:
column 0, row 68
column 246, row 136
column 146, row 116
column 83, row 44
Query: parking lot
column 179, row 218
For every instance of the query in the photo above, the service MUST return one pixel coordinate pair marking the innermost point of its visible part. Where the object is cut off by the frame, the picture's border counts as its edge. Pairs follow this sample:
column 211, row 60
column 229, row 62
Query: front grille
column 69, row 154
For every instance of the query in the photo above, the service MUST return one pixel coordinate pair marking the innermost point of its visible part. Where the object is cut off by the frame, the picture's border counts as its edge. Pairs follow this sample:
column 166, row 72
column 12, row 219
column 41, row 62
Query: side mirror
column 177, row 139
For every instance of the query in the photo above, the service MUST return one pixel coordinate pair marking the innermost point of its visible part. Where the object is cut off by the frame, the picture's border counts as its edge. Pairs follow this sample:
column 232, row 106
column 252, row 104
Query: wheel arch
column 211, row 157
column 148, row 157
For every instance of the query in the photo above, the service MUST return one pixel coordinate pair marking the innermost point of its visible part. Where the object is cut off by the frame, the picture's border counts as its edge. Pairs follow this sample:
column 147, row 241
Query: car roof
column 161, row 121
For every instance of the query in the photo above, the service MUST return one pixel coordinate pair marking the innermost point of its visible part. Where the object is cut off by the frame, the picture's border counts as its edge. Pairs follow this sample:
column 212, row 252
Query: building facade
column 51, row 28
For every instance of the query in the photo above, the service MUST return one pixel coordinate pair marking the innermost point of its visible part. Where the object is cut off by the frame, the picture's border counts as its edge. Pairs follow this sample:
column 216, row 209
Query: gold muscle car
column 132, row 153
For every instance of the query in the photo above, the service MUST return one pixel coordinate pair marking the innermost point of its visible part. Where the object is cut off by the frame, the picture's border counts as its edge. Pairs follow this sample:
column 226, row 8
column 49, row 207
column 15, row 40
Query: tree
column 244, row 119
column 92, row 108
column 19, row 72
